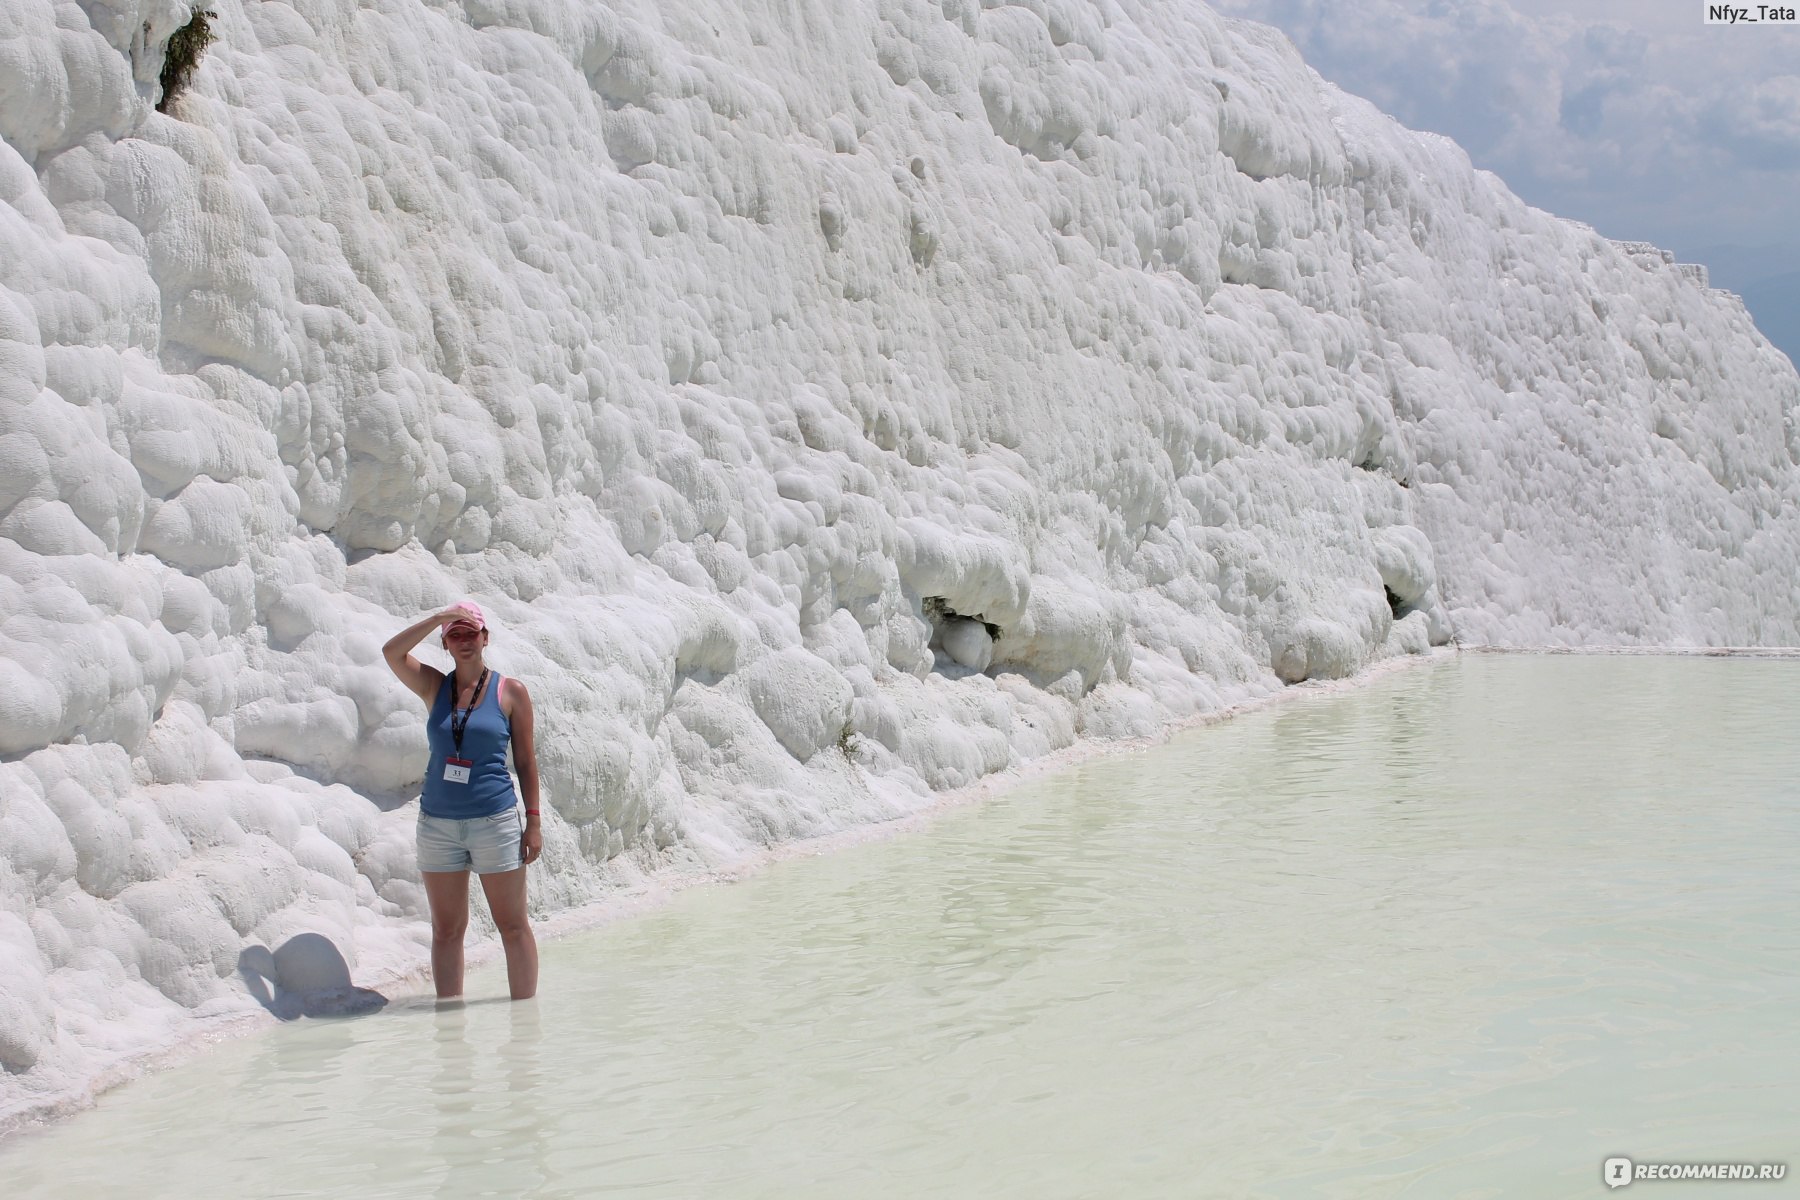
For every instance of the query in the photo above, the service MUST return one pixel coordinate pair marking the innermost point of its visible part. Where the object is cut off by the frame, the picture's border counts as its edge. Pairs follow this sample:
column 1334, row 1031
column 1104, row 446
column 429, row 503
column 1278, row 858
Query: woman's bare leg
column 447, row 893
column 506, row 901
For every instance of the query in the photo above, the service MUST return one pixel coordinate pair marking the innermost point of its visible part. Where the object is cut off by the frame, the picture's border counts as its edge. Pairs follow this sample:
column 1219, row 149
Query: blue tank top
column 484, row 742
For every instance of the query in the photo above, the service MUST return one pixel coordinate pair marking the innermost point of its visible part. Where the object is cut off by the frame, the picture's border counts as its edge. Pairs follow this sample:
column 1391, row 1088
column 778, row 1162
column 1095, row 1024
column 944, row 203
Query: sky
column 1635, row 116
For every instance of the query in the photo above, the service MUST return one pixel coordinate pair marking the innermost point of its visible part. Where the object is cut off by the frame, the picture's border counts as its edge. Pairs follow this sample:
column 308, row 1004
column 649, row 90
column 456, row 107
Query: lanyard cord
column 459, row 717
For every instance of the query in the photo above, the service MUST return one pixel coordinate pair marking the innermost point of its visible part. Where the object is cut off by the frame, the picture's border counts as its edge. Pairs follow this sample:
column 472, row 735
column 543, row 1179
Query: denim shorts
column 483, row 844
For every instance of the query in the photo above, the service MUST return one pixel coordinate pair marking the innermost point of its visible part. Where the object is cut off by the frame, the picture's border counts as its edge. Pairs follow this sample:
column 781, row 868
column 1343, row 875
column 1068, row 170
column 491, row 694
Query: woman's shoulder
column 512, row 694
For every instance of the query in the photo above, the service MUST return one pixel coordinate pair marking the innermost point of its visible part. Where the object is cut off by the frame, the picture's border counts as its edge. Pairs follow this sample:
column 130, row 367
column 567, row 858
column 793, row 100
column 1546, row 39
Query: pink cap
column 472, row 615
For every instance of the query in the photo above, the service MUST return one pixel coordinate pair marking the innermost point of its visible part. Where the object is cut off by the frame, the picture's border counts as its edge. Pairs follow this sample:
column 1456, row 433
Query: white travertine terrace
column 832, row 402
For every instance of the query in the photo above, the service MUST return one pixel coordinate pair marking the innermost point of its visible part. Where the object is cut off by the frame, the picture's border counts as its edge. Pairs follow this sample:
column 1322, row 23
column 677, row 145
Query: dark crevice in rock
column 935, row 610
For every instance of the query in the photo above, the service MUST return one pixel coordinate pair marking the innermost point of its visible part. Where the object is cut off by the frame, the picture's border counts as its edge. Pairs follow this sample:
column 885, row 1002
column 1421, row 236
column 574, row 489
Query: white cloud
column 1760, row 122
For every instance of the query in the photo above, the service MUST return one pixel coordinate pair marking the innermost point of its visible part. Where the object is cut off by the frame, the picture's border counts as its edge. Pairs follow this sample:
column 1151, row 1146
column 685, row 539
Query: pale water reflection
column 1467, row 931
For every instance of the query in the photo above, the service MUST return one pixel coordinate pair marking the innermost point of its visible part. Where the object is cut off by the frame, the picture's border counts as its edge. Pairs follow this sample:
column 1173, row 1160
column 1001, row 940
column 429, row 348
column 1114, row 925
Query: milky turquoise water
column 1467, row 931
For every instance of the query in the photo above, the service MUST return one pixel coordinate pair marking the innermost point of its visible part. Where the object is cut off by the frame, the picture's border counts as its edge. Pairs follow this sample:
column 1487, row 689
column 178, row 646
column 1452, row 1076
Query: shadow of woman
column 305, row 977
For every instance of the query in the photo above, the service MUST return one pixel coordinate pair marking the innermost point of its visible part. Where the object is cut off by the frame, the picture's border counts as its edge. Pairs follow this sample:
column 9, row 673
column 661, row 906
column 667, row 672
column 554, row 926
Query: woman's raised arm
column 422, row 680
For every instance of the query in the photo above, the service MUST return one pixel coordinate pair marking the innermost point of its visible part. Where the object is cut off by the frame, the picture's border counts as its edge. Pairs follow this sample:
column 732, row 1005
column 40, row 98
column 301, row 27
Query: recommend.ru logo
column 1620, row 1172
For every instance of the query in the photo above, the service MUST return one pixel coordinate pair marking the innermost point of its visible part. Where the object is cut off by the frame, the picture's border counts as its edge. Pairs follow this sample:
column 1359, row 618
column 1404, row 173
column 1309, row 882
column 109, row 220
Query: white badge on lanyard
column 456, row 770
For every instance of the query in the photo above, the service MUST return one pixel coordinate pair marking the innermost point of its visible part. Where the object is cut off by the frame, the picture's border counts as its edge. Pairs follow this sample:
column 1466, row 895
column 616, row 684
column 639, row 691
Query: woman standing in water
column 468, row 817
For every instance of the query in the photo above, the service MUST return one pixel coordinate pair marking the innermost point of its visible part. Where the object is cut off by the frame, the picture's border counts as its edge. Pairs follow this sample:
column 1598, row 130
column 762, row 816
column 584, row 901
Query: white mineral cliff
column 831, row 403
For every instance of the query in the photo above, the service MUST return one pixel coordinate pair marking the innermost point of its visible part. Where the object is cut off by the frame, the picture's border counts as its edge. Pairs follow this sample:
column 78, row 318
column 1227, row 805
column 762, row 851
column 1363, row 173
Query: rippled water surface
column 1466, row 931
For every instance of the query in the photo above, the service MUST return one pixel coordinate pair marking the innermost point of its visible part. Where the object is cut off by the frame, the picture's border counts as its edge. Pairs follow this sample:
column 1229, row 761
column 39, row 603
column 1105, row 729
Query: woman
column 468, row 817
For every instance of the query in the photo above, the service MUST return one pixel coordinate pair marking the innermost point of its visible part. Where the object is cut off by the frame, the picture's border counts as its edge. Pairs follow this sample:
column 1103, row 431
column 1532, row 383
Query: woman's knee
column 449, row 928
column 512, row 926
